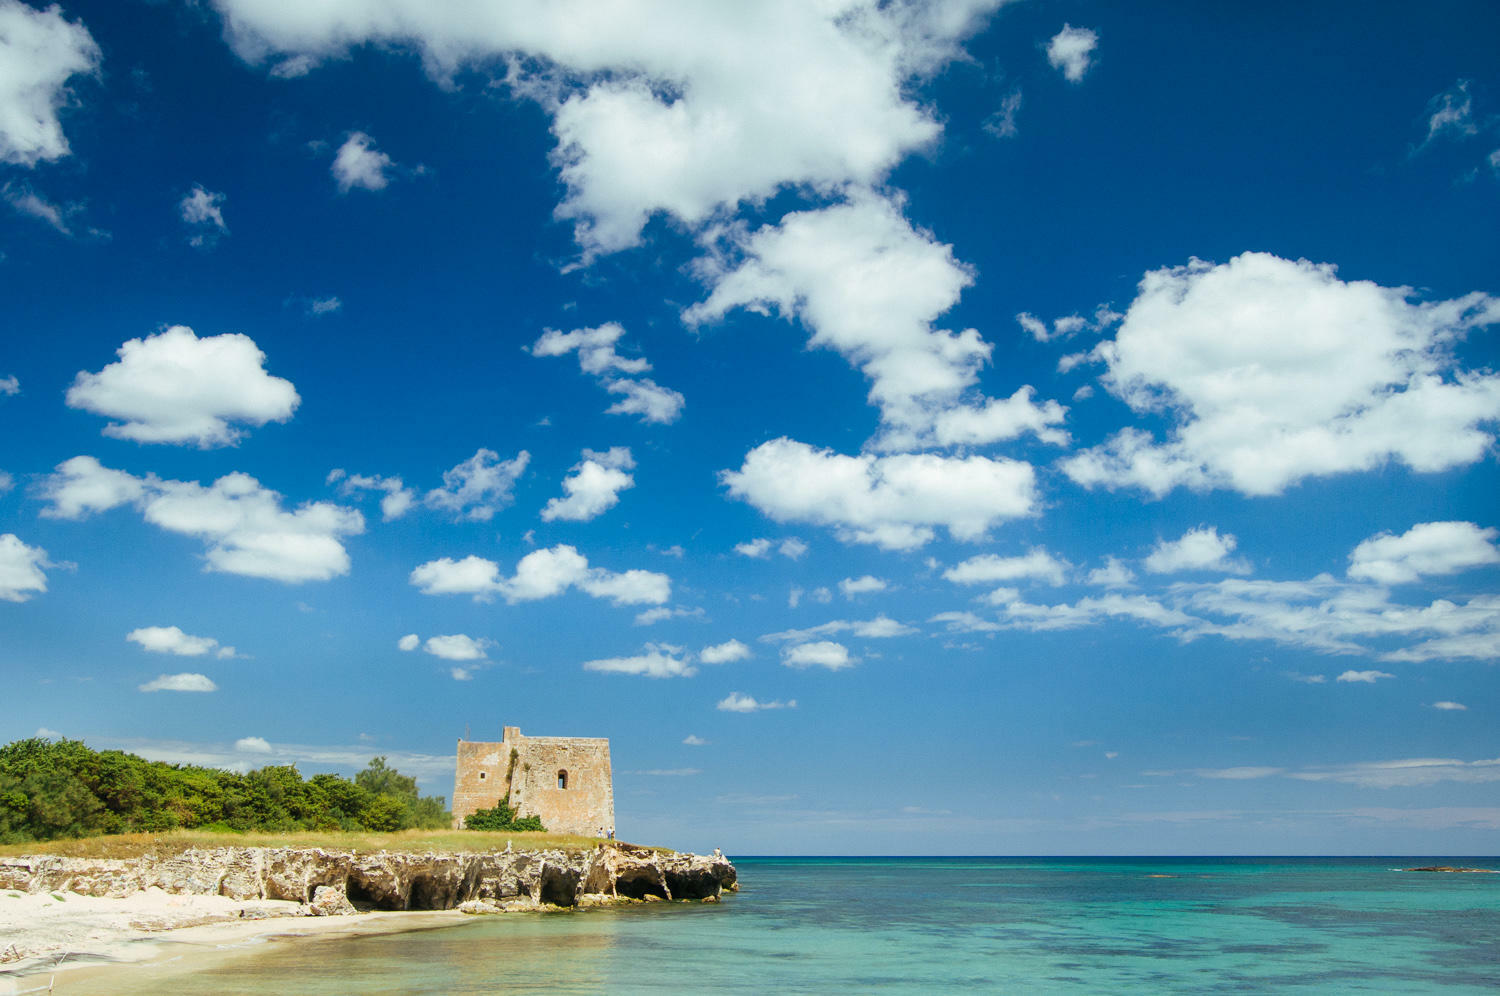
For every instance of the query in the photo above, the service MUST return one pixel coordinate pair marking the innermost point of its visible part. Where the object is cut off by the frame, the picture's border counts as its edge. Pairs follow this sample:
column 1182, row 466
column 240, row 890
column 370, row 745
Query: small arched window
column 562, row 779
column 481, row 776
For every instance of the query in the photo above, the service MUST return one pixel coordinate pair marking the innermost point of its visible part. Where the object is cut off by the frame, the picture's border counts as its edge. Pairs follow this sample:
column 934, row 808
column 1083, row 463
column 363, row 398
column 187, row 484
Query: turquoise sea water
column 926, row 925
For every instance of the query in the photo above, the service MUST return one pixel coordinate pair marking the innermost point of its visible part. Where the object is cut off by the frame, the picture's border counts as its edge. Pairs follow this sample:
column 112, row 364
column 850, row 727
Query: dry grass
column 134, row 845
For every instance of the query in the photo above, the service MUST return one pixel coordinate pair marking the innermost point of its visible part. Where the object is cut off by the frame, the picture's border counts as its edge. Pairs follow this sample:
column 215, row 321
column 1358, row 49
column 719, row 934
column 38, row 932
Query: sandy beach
column 69, row 941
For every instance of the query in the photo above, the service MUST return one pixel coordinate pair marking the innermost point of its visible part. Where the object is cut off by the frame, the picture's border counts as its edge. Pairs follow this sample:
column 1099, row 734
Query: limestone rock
column 330, row 900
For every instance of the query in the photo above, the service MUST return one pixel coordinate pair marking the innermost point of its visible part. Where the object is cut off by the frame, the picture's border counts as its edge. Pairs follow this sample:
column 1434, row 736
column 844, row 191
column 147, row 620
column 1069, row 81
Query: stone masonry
column 565, row 780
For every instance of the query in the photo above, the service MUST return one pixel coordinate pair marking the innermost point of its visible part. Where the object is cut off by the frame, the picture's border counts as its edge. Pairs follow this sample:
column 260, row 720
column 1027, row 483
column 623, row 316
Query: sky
column 950, row 427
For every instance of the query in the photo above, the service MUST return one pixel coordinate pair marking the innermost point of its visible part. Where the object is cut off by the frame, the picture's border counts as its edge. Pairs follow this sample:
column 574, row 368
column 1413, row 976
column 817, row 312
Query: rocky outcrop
column 332, row 881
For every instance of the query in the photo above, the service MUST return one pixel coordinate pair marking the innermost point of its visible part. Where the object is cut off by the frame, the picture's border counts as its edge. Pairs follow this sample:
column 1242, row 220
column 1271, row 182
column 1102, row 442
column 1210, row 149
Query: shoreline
column 99, row 937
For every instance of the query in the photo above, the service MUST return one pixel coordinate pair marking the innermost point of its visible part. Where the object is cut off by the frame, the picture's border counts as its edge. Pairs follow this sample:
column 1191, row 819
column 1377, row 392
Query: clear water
column 925, row 925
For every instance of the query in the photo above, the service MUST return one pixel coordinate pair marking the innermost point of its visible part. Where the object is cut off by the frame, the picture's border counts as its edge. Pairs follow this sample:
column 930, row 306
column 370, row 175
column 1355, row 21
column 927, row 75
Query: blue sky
column 947, row 427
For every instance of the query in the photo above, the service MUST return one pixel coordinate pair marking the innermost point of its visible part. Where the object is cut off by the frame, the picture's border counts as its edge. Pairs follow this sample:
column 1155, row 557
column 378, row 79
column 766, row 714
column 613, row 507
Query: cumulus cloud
column 649, row 617
column 540, row 574
column 203, row 212
column 792, row 548
column 616, row 374
column 1071, row 51
column 174, row 387
column 725, row 653
column 1424, row 550
column 478, row 487
column 243, row 524
column 879, row 628
column 172, row 640
column 1200, row 549
column 893, row 501
column 456, row 647
column 21, row 569
column 594, row 485
column 863, row 585
column 659, row 660
column 1363, row 677
column 186, row 682
column 1450, row 113
column 823, row 653
column 740, row 702
column 693, row 740
column 398, row 498
column 870, row 287
column 1113, row 574
column 1276, row 370
column 359, row 164
column 253, row 745
column 682, row 109
column 40, row 50
column 988, row 568
column 755, row 549
column 1450, row 706
column 10, row 386
column 409, row 642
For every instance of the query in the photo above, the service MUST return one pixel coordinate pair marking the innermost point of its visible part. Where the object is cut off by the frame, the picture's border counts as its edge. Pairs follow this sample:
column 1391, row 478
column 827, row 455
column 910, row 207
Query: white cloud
column 1404, row 773
column 880, row 628
column 1113, row 574
column 27, row 201
column 1450, row 706
column 792, row 548
column 187, row 682
column 678, row 108
column 478, row 487
column 693, row 740
column 1199, row 549
column 174, row 387
column 893, row 501
column 1002, row 123
column 593, row 486
column 409, row 642
column 253, row 745
column 204, row 211
column 21, row 569
column 39, row 50
column 615, row 373
column 1424, row 550
column 172, row 640
column 988, row 568
column 870, row 286
column 461, row 673
column 1363, row 677
column 1071, row 51
column 324, row 305
column 245, row 528
column 398, row 498
column 1275, row 371
column 540, row 574
column 862, row 585
column 725, row 653
column 456, row 647
column 740, row 702
column 652, row 616
column 658, row 661
column 966, row 622
column 755, row 549
column 10, row 386
column 1089, row 611
column 1451, row 113
column 359, row 164
column 823, row 653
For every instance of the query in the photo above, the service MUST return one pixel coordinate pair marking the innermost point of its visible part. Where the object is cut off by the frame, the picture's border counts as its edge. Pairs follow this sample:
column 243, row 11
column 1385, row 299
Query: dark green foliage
column 501, row 818
column 50, row 790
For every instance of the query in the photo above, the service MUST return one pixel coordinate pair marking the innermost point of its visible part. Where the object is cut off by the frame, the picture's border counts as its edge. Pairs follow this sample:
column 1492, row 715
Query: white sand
column 71, row 934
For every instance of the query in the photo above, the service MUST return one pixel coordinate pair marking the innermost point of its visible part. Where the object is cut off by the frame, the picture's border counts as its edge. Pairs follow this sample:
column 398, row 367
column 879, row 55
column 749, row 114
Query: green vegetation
column 502, row 819
column 56, row 790
column 136, row 845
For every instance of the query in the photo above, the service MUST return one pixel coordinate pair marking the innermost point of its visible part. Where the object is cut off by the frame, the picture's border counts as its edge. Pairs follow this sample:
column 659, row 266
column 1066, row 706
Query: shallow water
column 815, row 925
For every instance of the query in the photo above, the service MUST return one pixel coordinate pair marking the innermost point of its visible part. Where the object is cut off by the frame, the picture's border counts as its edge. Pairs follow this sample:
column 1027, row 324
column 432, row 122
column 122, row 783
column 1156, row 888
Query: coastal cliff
column 333, row 881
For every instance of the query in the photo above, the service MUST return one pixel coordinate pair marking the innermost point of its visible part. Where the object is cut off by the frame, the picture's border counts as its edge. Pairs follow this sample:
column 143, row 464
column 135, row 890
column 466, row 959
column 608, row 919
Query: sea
column 935, row 925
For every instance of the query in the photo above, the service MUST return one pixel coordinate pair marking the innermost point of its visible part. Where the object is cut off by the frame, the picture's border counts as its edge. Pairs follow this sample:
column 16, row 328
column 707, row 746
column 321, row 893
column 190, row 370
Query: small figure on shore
column 611, row 833
column 718, row 854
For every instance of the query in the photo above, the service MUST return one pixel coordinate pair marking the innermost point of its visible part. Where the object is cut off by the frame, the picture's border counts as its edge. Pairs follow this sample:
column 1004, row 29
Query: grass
column 135, row 845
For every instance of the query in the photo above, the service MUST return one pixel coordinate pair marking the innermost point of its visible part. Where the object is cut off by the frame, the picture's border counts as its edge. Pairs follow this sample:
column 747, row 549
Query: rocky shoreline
column 228, row 884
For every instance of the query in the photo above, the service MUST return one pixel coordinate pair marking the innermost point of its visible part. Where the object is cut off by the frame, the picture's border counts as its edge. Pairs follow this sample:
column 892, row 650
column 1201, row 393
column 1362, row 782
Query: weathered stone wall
column 567, row 781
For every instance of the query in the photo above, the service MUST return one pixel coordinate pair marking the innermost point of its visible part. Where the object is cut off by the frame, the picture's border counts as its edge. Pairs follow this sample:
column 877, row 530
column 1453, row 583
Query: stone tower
column 565, row 780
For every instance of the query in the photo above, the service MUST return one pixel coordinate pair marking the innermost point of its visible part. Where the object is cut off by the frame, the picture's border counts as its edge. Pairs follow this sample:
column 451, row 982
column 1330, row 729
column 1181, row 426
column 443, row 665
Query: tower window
column 562, row 779
column 481, row 776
